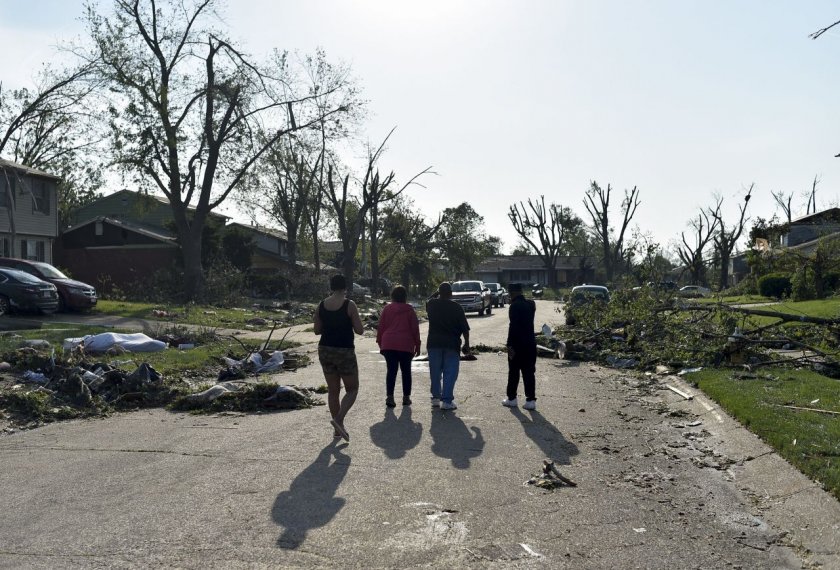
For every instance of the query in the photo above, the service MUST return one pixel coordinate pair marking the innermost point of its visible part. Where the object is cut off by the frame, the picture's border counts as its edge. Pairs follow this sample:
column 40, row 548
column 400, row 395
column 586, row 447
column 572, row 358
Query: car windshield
column 21, row 276
column 462, row 286
column 493, row 286
column 50, row 271
column 585, row 294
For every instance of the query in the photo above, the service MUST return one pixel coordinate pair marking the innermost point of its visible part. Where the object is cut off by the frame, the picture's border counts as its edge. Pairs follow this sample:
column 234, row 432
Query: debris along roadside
column 40, row 383
column 642, row 332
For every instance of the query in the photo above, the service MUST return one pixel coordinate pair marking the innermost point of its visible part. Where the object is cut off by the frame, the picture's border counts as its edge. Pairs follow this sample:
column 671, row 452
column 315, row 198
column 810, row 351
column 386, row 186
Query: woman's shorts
column 336, row 360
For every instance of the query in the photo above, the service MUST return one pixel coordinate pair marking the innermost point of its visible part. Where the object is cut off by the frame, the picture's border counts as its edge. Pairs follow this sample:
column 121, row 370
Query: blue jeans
column 444, row 362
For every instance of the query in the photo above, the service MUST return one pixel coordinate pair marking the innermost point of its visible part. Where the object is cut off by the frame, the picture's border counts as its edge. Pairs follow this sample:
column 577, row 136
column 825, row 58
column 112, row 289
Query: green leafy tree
column 462, row 240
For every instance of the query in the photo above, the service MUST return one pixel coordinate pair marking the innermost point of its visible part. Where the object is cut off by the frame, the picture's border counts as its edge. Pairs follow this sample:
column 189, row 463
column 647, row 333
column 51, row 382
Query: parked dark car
column 498, row 294
column 584, row 295
column 21, row 291
column 72, row 294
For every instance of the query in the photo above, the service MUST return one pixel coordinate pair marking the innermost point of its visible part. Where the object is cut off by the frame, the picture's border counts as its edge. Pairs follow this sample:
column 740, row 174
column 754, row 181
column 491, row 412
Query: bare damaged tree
column 351, row 212
column 380, row 191
column 692, row 254
column 552, row 225
column 726, row 239
column 282, row 188
column 188, row 107
column 783, row 201
column 597, row 203
column 811, row 207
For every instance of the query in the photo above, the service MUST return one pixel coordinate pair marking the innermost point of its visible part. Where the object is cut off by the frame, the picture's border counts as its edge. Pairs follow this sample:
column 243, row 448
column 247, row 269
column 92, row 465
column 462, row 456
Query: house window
column 24, row 249
column 7, row 247
column 40, row 251
column 41, row 197
column 520, row 276
column 7, row 182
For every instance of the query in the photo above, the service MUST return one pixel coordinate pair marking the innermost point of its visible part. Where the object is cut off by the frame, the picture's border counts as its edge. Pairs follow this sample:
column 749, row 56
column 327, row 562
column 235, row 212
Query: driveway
column 662, row 482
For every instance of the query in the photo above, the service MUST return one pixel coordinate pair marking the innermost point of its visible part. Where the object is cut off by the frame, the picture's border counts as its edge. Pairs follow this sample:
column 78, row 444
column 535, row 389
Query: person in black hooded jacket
column 521, row 349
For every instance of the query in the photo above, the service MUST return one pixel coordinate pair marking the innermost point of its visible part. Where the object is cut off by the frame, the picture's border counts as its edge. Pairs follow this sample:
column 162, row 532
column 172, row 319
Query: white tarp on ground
column 137, row 342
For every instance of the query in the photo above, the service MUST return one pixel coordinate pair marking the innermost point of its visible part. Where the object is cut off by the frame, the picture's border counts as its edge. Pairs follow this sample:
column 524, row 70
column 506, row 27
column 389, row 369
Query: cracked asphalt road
column 661, row 482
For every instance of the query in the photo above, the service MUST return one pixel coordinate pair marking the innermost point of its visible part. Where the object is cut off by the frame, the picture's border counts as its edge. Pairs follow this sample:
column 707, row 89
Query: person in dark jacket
column 521, row 349
column 447, row 324
column 336, row 319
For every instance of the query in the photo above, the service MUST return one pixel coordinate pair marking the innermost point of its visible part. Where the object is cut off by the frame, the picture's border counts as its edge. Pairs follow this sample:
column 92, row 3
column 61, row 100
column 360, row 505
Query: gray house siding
column 34, row 194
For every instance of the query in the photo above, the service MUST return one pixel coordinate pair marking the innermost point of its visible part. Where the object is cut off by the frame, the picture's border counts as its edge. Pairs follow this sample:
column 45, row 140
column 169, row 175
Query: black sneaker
column 406, row 401
column 389, row 401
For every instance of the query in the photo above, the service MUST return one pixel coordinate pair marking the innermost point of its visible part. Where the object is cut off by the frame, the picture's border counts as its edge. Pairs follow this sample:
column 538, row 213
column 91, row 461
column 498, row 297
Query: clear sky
column 513, row 99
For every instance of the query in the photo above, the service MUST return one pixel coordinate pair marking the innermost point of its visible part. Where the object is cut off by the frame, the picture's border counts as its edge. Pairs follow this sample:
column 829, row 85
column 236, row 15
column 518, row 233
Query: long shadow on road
column 396, row 435
column 453, row 440
column 549, row 439
column 310, row 501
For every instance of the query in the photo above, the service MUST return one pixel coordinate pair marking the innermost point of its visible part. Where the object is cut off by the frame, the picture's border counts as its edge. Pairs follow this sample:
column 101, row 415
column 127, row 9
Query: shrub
column 802, row 285
column 775, row 285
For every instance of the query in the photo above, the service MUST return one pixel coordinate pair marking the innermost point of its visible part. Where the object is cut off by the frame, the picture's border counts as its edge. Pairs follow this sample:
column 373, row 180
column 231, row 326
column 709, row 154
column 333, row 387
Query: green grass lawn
column 208, row 316
column 736, row 299
column 823, row 308
column 808, row 440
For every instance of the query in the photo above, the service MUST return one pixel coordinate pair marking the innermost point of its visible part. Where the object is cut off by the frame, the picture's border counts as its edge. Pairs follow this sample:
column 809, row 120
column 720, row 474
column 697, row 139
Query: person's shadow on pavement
column 310, row 501
column 549, row 439
column 396, row 436
column 453, row 440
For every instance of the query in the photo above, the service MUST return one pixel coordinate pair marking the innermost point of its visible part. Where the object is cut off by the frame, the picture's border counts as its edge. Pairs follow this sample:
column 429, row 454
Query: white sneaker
column 448, row 405
column 435, row 402
column 510, row 403
column 530, row 405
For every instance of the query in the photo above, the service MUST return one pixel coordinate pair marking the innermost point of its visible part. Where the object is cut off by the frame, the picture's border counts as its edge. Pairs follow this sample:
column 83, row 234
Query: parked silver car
column 695, row 291
column 584, row 295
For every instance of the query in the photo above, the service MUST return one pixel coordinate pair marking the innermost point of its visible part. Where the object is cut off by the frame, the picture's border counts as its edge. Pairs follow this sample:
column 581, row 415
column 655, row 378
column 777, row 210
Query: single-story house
column 568, row 270
column 108, row 253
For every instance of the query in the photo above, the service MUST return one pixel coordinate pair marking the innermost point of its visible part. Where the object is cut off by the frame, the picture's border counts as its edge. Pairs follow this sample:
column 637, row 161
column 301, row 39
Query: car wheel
column 4, row 305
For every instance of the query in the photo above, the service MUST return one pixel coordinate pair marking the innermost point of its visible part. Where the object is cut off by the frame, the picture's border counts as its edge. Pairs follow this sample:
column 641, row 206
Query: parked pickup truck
column 472, row 296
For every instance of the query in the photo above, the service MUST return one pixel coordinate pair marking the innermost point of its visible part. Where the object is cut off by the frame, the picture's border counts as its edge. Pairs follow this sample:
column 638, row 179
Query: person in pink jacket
column 398, row 337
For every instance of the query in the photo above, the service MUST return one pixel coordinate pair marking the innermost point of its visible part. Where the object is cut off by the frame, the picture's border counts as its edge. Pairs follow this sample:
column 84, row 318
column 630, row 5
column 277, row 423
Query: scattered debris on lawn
column 550, row 478
column 240, row 397
column 659, row 334
column 41, row 384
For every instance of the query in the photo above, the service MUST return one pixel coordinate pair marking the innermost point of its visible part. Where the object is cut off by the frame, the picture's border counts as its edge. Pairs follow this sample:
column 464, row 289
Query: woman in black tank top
column 336, row 319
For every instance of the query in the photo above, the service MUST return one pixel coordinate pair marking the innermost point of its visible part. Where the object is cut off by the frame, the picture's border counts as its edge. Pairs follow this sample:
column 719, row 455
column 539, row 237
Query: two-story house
column 802, row 234
column 28, row 212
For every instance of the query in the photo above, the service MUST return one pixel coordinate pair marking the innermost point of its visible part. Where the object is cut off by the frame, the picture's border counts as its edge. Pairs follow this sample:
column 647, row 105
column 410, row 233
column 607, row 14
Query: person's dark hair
column 338, row 282
column 515, row 287
column 399, row 294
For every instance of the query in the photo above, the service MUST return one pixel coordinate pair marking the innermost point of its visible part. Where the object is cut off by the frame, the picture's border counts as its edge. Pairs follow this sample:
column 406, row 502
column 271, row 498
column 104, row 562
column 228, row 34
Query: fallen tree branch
column 812, row 410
